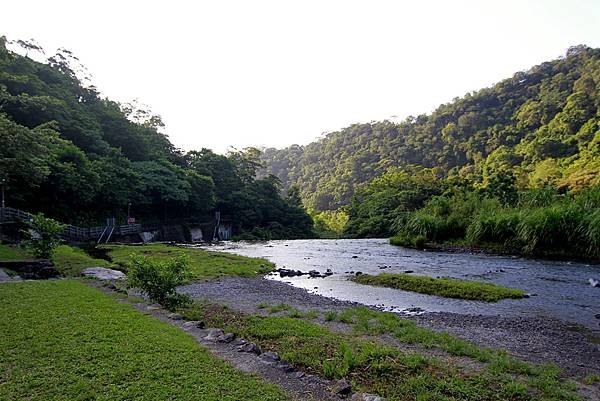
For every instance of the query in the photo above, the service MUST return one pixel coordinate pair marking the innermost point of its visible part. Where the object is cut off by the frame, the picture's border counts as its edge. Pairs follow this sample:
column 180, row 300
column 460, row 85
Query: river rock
column 175, row 316
column 102, row 273
column 213, row 334
column 226, row 338
column 192, row 324
column 342, row 387
column 285, row 366
column 250, row 348
column 269, row 357
column 366, row 397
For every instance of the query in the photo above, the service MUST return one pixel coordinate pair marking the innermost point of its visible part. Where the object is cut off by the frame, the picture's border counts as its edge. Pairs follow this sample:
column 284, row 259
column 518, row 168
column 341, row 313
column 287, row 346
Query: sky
column 275, row 73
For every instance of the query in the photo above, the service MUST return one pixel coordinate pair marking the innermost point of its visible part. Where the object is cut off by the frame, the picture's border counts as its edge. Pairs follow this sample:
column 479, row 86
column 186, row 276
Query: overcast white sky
column 240, row 73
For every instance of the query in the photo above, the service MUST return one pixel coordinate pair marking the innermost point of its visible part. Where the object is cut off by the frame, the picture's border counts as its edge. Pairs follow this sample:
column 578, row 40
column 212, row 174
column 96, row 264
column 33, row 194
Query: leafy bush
column 160, row 279
column 44, row 235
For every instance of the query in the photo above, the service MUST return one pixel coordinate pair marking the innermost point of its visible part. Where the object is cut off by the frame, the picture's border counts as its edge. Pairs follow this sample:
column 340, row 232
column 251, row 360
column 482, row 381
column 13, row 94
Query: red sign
column 131, row 220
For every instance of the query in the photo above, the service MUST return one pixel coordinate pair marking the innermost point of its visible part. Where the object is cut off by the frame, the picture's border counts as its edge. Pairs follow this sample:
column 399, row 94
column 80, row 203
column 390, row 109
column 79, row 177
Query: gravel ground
column 531, row 339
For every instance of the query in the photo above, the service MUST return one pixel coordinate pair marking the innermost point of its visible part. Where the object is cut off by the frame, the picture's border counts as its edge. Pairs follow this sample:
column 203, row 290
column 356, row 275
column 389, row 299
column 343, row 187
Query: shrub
column 419, row 241
column 44, row 235
column 160, row 279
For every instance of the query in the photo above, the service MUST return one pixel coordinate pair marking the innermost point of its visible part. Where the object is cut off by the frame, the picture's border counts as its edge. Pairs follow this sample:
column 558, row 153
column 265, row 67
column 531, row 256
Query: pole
column 128, row 211
column 3, row 182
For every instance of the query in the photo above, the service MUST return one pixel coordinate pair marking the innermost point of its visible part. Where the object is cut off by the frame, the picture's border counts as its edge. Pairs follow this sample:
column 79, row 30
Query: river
column 558, row 289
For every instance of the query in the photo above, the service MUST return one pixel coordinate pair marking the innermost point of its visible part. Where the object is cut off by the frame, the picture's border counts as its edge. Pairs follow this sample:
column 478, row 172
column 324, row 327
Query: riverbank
column 535, row 340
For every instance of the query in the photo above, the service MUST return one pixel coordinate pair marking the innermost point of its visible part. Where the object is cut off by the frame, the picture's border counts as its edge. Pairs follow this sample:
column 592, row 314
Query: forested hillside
column 541, row 124
column 78, row 157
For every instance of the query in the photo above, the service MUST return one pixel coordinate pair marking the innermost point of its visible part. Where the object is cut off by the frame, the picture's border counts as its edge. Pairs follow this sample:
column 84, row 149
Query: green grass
column 591, row 379
column 13, row 253
column 384, row 370
column 443, row 287
column 70, row 262
column 62, row 340
column 203, row 264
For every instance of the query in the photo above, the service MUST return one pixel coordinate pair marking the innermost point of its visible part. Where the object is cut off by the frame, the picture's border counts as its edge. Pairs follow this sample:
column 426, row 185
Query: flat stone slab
column 102, row 273
column 5, row 278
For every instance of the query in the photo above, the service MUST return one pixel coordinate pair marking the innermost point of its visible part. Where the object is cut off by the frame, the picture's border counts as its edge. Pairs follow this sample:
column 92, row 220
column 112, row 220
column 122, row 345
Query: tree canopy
column 78, row 157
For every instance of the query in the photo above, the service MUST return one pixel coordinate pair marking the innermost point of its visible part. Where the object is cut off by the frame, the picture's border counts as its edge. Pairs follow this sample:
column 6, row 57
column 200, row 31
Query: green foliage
column 10, row 253
column 44, row 235
column 329, row 223
column 80, row 158
column 444, row 287
column 541, row 222
column 160, row 279
column 538, row 128
column 202, row 264
column 62, row 340
column 385, row 370
column 70, row 261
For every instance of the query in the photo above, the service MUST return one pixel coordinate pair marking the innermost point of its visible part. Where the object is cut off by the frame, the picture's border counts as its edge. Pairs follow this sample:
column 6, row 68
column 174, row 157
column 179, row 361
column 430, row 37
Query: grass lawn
column 62, row 340
column 13, row 253
column 387, row 371
column 443, row 287
column 69, row 261
column 203, row 264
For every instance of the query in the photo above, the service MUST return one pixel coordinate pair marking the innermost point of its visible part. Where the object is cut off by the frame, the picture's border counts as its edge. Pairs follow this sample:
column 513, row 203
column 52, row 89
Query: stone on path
column 102, row 273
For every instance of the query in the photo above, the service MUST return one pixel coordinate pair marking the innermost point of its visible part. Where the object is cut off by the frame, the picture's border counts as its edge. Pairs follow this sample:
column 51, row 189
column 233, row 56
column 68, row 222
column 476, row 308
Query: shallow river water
column 558, row 289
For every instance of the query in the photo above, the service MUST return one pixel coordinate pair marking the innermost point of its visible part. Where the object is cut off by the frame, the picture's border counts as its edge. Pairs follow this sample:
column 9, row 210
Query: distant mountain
column 543, row 123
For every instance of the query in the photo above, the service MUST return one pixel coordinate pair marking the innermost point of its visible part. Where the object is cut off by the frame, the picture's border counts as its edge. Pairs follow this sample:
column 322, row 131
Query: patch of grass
column 544, row 378
column 203, row 264
column 591, row 379
column 330, row 316
column 444, row 287
column 13, row 253
column 381, row 369
column 291, row 311
column 70, row 261
column 62, row 340
column 279, row 308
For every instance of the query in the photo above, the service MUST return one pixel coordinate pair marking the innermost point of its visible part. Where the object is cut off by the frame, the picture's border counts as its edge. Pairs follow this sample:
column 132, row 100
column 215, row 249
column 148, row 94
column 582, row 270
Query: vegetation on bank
column 538, row 222
column 202, row 264
column 442, row 286
column 388, row 371
column 79, row 158
column 63, row 340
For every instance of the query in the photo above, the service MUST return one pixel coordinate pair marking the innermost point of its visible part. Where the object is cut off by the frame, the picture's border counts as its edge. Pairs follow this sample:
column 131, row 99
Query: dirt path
column 531, row 339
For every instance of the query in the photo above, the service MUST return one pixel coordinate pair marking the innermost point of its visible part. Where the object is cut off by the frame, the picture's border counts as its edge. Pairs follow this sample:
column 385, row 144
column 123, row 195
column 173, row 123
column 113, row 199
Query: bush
column 419, row 242
column 44, row 235
column 160, row 279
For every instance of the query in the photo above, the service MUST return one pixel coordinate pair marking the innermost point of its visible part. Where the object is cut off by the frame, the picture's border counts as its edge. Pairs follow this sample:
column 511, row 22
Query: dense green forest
column 541, row 124
column 513, row 167
column 78, row 157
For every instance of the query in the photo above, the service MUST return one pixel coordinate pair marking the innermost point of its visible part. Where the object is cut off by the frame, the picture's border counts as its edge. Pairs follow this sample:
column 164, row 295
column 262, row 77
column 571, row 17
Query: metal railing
column 12, row 215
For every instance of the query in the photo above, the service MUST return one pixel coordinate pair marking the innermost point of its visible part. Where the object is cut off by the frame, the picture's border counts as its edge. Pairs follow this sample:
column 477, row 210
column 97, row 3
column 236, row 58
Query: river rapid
column 559, row 289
